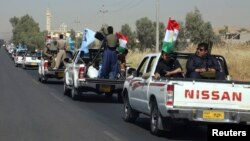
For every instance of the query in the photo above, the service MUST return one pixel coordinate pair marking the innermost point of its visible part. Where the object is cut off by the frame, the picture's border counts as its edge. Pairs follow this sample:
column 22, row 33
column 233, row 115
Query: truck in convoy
column 81, row 76
column 170, row 100
column 45, row 67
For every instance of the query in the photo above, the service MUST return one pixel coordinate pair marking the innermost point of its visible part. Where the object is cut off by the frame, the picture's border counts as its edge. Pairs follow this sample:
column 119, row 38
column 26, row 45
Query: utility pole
column 77, row 21
column 157, row 27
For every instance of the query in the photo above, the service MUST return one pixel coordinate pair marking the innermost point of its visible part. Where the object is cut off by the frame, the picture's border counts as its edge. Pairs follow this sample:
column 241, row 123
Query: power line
column 128, row 6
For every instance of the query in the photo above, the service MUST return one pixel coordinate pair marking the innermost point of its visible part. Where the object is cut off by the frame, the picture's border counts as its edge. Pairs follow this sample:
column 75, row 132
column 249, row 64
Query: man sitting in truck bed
column 47, row 51
column 202, row 65
column 168, row 67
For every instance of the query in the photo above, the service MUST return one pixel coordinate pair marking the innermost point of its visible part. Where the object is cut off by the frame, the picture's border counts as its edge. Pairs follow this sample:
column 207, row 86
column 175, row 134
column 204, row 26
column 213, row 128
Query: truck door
column 146, row 81
column 137, row 84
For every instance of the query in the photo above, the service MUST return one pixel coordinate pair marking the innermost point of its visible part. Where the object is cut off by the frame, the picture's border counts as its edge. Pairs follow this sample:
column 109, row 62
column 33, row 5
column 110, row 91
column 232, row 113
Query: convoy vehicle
column 18, row 57
column 81, row 76
column 31, row 59
column 168, row 100
column 45, row 67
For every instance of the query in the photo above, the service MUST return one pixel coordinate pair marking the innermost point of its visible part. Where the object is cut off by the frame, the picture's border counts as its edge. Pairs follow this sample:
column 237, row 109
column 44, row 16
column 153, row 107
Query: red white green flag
column 123, row 40
column 170, row 36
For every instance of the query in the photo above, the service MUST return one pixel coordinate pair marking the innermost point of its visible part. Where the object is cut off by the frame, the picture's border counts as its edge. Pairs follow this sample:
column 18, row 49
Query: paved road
column 32, row 111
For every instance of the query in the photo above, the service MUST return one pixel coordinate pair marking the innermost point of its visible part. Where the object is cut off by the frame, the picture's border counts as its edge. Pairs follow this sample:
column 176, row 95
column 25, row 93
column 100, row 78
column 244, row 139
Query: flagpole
column 157, row 26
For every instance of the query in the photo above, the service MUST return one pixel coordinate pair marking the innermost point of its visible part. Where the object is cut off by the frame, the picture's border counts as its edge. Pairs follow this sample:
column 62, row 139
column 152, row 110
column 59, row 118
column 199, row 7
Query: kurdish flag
column 171, row 36
column 123, row 40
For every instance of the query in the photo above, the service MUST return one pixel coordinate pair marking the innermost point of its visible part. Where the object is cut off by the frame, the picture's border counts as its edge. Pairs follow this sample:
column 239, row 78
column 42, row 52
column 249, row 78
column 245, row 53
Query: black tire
column 74, row 93
column 66, row 90
column 119, row 97
column 129, row 114
column 43, row 79
column 39, row 78
column 155, row 117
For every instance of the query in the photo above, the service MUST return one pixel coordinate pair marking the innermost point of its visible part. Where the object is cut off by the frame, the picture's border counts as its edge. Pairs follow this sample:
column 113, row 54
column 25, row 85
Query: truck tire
column 74, row 93
column 129, row 114
column 39, row 78
column 43, row 79
column 66, row 90
column 155, row 120
column 119, row 97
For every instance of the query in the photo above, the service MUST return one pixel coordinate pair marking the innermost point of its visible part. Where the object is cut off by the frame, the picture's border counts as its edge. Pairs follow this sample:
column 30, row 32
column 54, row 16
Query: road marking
column 58, row 98
column 111, row 136
column 35, row 81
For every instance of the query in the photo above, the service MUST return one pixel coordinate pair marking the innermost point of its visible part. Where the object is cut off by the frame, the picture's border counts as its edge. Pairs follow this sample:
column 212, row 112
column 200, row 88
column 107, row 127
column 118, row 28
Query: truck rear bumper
column 216, row 116
column 59, row 74
column 100, row 86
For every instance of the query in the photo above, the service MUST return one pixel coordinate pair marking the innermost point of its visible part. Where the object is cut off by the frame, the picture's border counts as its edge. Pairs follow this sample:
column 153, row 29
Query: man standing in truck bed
column 61, row 51
column 110, row 67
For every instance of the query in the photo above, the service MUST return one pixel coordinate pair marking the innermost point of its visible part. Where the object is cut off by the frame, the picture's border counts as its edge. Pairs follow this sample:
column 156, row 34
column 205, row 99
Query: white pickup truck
column 45, row 68
column 184, row 99
column 79, row 77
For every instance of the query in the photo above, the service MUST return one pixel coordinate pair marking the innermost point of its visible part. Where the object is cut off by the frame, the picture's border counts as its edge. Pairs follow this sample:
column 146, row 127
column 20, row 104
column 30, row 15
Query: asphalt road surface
column 32, row 111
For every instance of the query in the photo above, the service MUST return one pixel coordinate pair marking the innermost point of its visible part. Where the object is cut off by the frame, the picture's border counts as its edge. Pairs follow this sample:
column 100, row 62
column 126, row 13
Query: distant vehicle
column 31, row 59
column 18, row 58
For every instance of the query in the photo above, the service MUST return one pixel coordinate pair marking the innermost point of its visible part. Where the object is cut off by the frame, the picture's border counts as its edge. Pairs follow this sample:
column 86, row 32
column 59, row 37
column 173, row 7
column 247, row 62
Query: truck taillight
column 46, row 65
column 81, row 73
column 170, row 95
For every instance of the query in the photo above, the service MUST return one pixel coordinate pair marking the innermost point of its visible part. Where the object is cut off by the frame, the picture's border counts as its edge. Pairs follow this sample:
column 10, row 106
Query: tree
column 27, row 31
column 145, row 33
column 181, row 42
column 197, row 30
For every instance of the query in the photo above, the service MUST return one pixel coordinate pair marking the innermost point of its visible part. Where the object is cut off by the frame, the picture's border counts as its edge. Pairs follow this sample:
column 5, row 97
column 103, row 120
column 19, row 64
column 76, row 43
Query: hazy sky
column 120, row 12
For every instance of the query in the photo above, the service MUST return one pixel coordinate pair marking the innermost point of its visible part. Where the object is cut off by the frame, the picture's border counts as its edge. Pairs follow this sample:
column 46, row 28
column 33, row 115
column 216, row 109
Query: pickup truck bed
column 46, row 71
column 77, row 81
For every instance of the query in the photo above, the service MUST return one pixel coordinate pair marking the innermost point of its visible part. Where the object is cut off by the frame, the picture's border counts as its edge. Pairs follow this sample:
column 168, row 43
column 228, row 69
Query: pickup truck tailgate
column 212, row 95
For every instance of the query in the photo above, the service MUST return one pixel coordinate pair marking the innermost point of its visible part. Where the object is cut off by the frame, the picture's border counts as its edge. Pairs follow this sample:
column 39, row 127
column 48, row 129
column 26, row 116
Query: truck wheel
column 74, row 93
column 43, row 79
column 129, row 114
column 155, row 119
column 39, row 78
column 66, row 90
column 119, row 97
